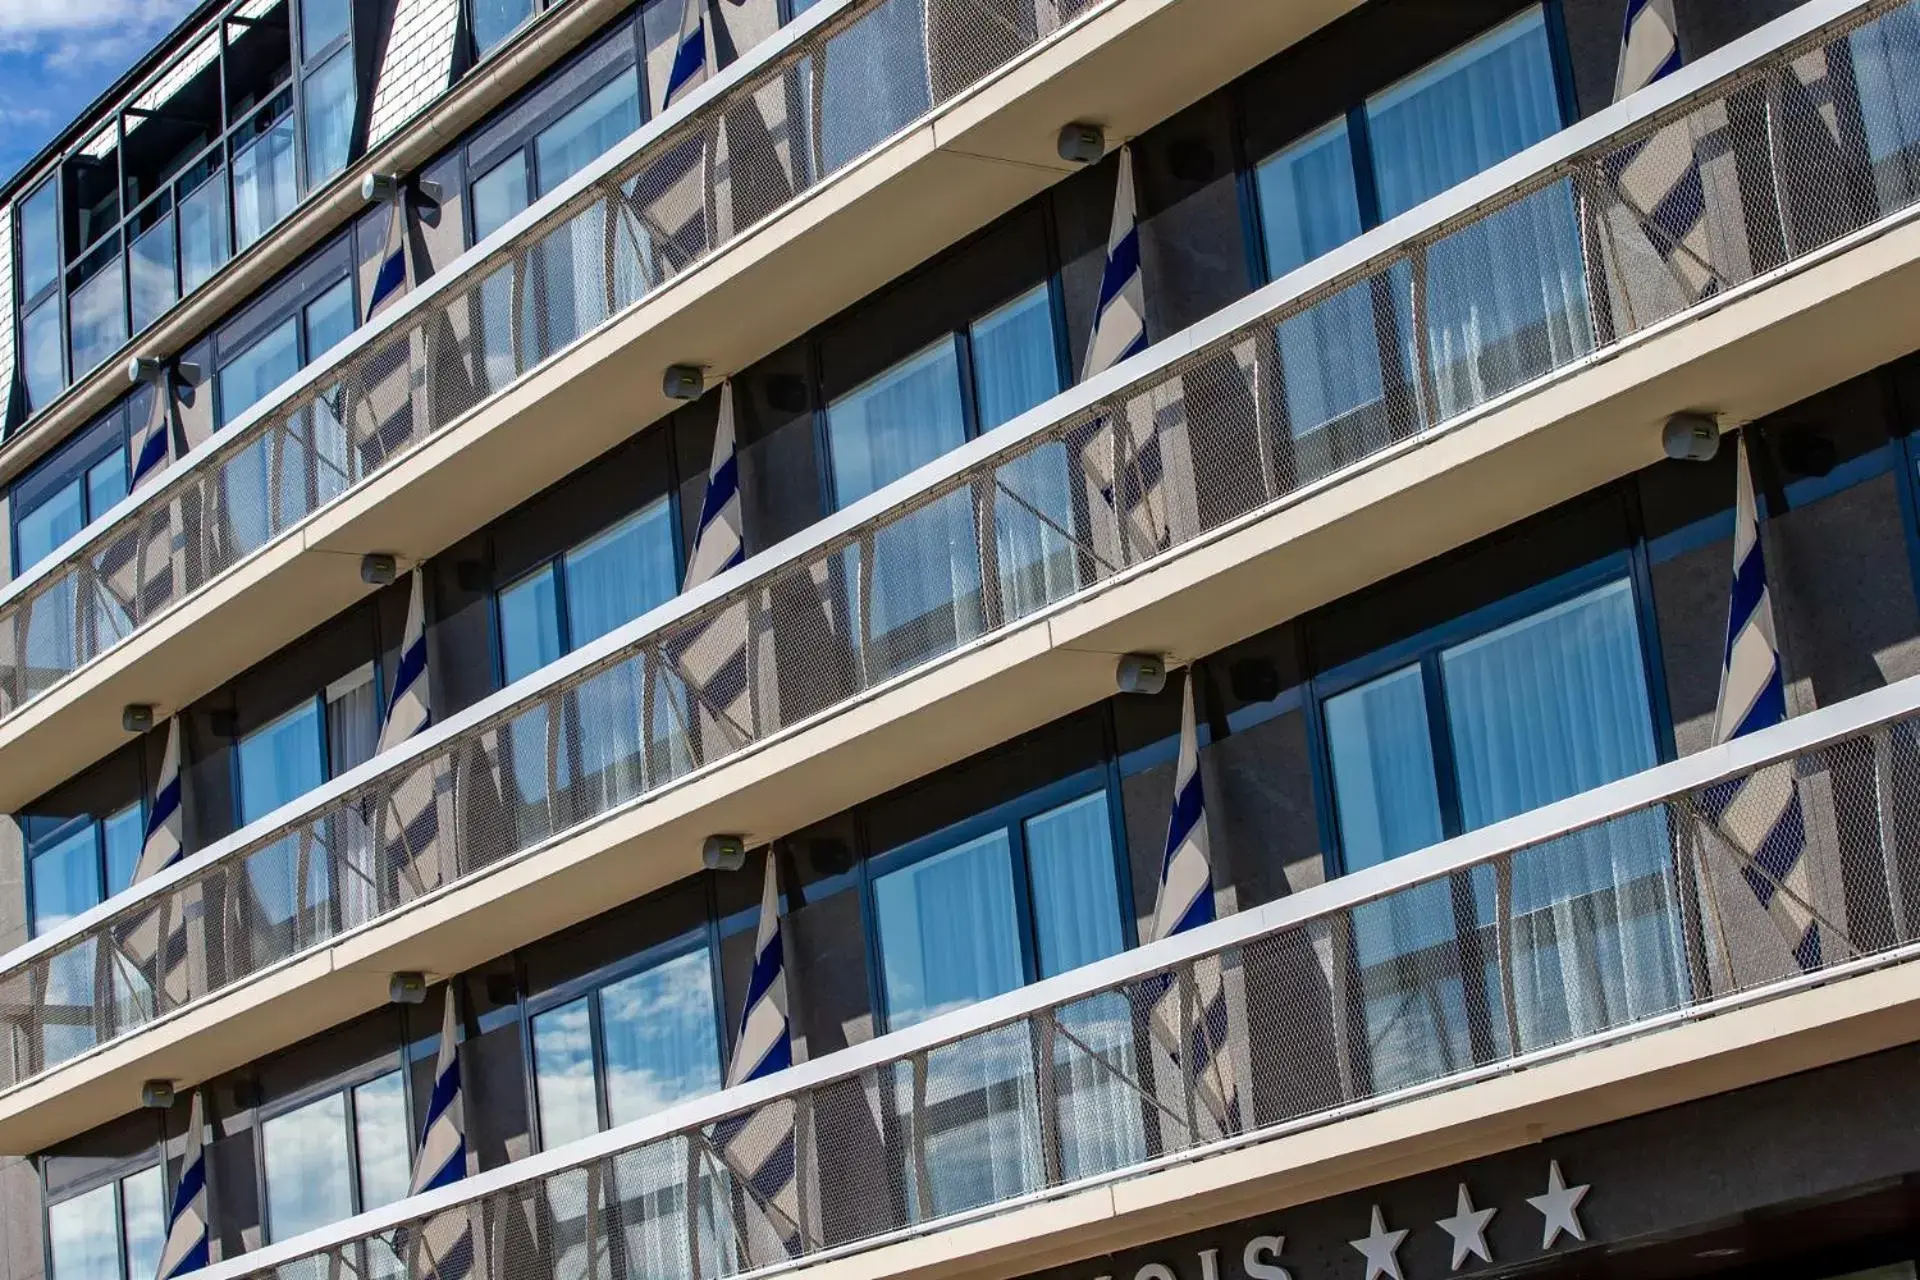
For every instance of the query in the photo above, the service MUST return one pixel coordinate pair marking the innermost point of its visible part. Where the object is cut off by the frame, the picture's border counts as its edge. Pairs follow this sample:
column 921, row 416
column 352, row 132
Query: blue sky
column 56, row 56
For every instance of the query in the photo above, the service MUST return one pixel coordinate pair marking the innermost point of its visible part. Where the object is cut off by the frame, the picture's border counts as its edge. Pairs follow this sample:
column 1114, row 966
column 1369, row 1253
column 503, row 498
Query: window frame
column 346, row 1085
column 54, row 291
column 308, row 63
column 116, row 1175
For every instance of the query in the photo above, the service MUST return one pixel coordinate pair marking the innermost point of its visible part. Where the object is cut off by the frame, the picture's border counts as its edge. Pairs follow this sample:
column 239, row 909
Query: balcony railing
column 1605, row 916
column 830, row 87
column 1211, row 428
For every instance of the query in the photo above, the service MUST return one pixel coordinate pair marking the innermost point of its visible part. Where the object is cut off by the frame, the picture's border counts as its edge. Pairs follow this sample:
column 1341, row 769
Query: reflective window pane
column 143, row 1210
column 281, row 761
column 621, row 574
column 948, row 932
column 328, row 95
column 563, row 1074
column 151, row 264
column 39, row 241
column 45, row 371
column 329, row 320
column 574, row 141
column 245, row 380
column 106, row 484
column 529, row 624
column 97, row 311
column 380, row 1133
column 203, row 232
column 83, row 1236
column 662, row 1044
column 47, row 527
column 321, row 23
column 1076, row 897
column 1470, row 110
column 499, row 194
column 495, row 20
column 1015, row 362
column 1385, row 795
column 1308, row 201
column 307, row 1168
column 264, row 190
column 66, row 878
column 123, row 833
column 900, row 420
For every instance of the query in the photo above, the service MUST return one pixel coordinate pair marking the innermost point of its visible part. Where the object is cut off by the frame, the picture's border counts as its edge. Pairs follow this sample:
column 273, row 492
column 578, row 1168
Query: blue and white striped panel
column 164, row 843
column 1185, row 901
column 442, row 1246
column 759, row 1147
column 186, row 1248
column 689, row 68
column 1659, row 179
column 1760, row 815
column 391, row 277
column 409, row 711
column 154, row 947
column 1124, row 461
column 442, row 1160
column 156, row 438
column 712, row 660
column 143, row 571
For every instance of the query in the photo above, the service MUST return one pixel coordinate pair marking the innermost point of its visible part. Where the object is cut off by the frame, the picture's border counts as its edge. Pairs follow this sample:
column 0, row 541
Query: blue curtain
column 925, row 567
column 948, row 937
column 1547, row 707
column 1015, row 367
column 873, row 81
column 1506, row 296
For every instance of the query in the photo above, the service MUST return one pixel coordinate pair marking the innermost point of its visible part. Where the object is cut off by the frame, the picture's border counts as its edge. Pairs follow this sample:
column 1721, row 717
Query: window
column 1492, row 724
column 39, row 241
column 114, row 1230
column 979, row 910
column 327, row 90
column 657, row 1043
column 276, row 764
column 1504, row 299
column 79, row 863
column 336, row 1156
column 578, row 596
column 97, row 308
column 42, row 340
column 495, row 20
column 912, row 413
column 264, row 185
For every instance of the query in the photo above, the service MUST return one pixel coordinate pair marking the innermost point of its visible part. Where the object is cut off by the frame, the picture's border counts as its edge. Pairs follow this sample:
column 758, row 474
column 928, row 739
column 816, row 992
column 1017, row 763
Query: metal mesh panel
column 1547, row 946
column 842, row 90
column 1457, row 316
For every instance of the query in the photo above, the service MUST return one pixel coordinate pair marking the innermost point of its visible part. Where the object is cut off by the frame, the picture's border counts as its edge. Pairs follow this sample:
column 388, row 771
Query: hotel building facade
column 1089, row 639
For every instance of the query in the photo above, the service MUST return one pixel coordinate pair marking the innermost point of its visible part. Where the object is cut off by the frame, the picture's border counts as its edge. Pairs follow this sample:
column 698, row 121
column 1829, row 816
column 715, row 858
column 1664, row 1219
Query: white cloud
column 99, row 17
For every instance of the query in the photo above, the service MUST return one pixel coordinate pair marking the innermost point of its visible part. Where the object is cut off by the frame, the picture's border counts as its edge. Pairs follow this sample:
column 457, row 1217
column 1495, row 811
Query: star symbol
column 1560, row 1207
column 1468, row 1227
column 1381, row 1248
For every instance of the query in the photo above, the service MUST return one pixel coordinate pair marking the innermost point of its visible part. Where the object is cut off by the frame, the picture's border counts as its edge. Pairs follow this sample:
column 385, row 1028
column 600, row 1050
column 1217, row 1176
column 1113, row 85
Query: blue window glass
column 1015, row 363
column 264, row 184
column 581, row 136
column 530, row 624
column 247, row 378
column 495, row 20
column 866, row 98
column 1505, row 296
column 83, row 1236
column 47, row 527
column 98, row 316
column 203, row 231
column 1488, row 100
column 321, row 23
column 948, row 931
column 1541, row 708
column 619, row 575
column 151, row 273
column 662, row 1044
column 898, row 421
column 46, row 372
column 106, row 484
column 39, row 241
column 328, row 94
column 1016, row 366
column 380, row 1140
column 281, row 761
column 66, row 876
column 329, row 320
column 307, row 1167
column 123, row 834
column 499, row 194
column 143, row 1213
column 1308, row 202
column 563, row 1074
